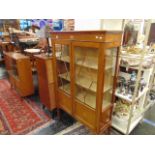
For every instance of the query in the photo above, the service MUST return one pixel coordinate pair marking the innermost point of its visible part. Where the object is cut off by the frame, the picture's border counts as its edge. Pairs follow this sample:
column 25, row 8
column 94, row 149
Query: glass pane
column 86, row 65
column 63, row 67
column 110, row 60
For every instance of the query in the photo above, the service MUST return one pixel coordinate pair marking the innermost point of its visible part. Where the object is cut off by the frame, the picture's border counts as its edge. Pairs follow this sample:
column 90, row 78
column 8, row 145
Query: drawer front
column 85, row 115
column 105, row 118
column 65, row 102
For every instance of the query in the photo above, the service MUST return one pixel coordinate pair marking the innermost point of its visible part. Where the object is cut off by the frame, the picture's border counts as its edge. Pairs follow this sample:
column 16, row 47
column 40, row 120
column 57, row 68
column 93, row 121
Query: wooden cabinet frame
column 97, row 119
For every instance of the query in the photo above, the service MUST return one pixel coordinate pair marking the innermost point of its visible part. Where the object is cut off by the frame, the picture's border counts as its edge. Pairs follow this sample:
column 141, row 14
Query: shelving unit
column 126, row 119
column 20, row 75
column 85, row 67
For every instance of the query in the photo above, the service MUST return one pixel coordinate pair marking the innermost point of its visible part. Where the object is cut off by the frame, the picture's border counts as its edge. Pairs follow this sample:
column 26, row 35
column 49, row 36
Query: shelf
column 81, row 81
column 130, row 99
column 87, row 64
column 136, row 67
column 107, row 67
column 84, row 82
column 80, row 62
column 66, row 88
column 121, row 124
column 90, row 99
column 65, row 76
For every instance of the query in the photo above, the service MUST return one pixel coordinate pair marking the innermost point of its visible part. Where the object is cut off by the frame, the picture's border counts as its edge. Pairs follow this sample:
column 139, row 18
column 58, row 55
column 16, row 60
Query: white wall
column 87, row 24
column 98, row 24
column 112, row 24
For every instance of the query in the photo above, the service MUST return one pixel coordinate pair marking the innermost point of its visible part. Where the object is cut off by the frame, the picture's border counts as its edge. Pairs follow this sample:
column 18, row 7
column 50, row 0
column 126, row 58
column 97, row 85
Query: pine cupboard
column 86, row 64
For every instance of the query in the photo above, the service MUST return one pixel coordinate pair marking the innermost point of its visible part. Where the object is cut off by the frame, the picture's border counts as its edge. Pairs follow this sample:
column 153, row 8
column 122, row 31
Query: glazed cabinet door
column 110, row 63
column 109, row 74
column 63, row 74
column 62, row 52
column 86, row 57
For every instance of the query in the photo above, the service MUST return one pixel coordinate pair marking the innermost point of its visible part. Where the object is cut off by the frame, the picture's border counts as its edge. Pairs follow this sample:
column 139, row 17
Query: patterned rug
column 18, row 116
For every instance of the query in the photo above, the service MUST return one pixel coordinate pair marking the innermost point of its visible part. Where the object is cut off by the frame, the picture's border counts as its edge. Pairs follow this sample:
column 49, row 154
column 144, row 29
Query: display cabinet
column 135, row 74
column 20, row 75
column 86, row 65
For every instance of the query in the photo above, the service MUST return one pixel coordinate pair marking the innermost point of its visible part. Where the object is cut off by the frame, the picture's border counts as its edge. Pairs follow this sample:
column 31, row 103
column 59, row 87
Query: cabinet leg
column 58, row 113
column 109, row 131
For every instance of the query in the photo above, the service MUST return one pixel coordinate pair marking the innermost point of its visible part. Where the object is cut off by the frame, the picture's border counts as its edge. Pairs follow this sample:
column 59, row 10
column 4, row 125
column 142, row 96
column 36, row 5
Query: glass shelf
column 88, row 64
column 80, row 62
column 87, row 98
column 65, row 76
column 82, row 81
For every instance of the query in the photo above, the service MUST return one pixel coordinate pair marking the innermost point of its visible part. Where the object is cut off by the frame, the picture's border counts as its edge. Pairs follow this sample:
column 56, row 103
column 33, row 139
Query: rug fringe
column 35, row 131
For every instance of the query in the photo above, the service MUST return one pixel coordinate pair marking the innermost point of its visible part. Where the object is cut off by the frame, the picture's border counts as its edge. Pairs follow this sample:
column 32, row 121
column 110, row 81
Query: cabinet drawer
column 65, row 102
column 85, row 115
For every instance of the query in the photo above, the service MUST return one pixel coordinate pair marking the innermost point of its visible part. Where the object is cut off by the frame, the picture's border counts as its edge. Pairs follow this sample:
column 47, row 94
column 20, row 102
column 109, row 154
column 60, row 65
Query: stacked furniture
column 85, row 68
column 44, row 66
column 20, row 74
